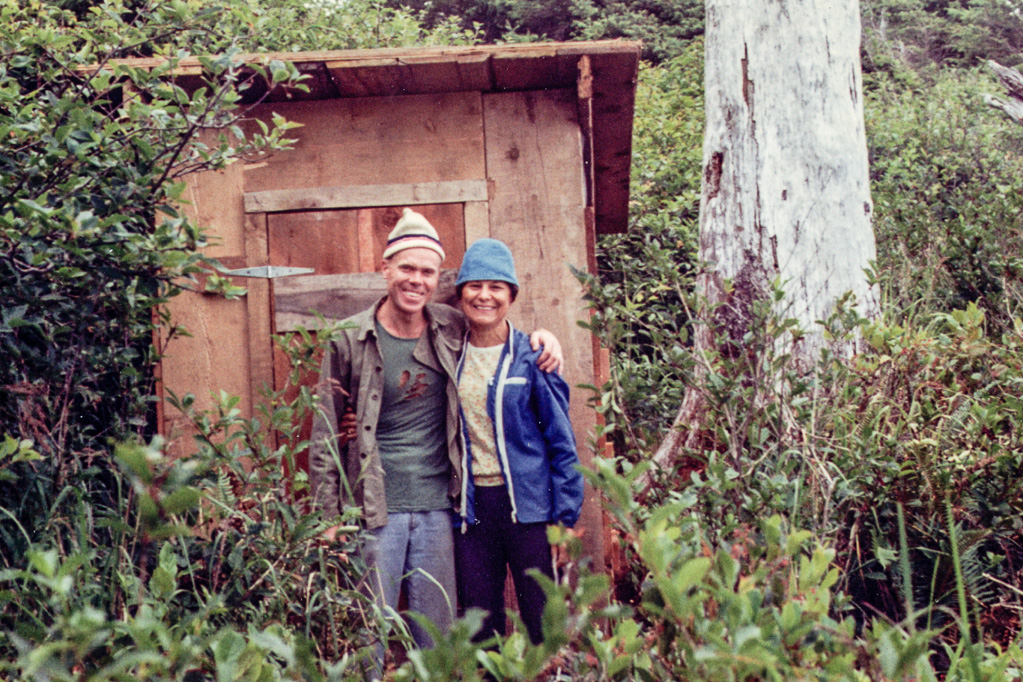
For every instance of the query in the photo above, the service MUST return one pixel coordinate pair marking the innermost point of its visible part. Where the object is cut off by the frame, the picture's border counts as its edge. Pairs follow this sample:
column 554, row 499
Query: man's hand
column 346, row 429
column 551, row 359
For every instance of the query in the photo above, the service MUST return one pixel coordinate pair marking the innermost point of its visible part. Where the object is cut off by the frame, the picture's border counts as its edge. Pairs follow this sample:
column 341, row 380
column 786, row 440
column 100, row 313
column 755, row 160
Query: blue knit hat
column 487, row 259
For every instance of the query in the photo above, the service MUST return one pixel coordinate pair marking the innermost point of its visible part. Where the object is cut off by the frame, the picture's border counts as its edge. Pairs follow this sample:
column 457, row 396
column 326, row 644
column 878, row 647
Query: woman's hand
column 346, row 430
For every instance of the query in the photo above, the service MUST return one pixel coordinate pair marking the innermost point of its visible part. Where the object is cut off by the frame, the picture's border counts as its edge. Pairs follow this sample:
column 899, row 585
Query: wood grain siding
column 411, row 74
column 258, row 305
column 214, row 354
column 376, row 141
column 614, row 96
column 326, row 241
column 384, row 73
column 534, row 161
column 537, row 207
column 477, row 221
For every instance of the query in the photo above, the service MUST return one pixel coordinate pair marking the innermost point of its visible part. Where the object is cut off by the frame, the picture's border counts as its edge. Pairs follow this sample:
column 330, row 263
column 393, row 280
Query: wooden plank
column 326, row 241
column 411, row 74
column 368, row 252
column 212, row 358
column 258, row 307
column 337, row 58
column 534, row 159
column 477, row 221
column 214, row 201
column 337, row 297
column 614, row 95
column 584, row 99
column 584, row 84
column 357, row 196
column 537, row 207
column 376, row 141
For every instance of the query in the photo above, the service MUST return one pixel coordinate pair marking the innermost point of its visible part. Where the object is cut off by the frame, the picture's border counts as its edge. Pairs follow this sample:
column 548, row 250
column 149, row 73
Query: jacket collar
column 509, row 343
column 368, row 319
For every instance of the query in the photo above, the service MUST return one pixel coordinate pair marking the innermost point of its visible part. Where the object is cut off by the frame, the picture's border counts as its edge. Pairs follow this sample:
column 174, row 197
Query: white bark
column 786, row 192
column 1012, row 80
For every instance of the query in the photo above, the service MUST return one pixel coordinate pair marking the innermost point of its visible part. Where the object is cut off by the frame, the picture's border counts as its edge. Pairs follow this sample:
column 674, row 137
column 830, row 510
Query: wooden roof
column 603, row 71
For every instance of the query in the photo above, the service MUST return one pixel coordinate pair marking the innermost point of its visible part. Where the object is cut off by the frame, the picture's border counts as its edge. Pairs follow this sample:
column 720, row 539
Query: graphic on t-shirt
column 418, row 387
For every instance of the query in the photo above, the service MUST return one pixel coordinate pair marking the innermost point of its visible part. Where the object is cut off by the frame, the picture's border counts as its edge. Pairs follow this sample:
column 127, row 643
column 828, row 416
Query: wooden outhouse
column 530, row 144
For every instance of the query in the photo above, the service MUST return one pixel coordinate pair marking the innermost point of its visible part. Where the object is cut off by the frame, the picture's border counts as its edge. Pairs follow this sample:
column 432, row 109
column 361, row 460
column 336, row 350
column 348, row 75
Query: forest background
column 858, row 521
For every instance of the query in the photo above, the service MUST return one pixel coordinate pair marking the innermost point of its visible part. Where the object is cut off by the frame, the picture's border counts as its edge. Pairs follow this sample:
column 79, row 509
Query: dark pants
column 485, row 552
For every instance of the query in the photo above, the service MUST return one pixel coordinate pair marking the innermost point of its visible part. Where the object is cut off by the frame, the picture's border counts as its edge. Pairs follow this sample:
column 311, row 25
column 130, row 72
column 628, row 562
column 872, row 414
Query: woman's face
column 486, row 302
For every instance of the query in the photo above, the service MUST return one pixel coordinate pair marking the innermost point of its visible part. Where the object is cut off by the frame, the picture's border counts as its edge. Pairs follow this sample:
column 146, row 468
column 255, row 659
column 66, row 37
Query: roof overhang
column 603, row 72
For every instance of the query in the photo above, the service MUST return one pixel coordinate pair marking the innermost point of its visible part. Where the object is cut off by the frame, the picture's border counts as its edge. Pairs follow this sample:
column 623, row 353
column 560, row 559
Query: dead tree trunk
column 786, row 195
column 1012, row 81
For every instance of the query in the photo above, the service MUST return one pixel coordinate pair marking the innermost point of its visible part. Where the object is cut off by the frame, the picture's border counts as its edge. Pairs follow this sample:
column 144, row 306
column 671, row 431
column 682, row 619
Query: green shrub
column 947, row 185
column 918, row 34
column 92, row 156
column 638, row 298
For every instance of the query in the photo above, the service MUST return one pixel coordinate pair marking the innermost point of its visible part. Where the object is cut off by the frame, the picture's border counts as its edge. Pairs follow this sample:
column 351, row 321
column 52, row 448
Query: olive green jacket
column 352, row 372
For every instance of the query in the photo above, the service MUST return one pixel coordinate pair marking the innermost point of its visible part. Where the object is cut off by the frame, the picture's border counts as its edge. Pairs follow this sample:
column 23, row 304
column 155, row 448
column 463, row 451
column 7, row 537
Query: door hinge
column 269, row 272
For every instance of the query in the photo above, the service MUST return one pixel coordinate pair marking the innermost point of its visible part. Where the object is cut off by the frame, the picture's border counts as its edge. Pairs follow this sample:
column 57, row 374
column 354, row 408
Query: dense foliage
column 90, row 244
column 665, row 26
column 861, row 521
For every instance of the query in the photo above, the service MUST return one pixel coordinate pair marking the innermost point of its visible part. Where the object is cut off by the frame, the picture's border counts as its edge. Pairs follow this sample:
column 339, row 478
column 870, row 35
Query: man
column 398, row 457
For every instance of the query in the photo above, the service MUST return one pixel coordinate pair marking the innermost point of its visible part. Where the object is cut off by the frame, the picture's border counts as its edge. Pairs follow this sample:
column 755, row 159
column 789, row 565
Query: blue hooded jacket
column 535, row 443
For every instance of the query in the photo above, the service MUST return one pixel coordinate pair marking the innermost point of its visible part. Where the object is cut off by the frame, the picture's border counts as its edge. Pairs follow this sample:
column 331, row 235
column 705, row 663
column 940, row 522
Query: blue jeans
column 417, row 548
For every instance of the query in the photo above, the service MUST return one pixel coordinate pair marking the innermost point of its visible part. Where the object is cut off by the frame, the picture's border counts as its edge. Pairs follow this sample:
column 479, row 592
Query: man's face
column 411, row 276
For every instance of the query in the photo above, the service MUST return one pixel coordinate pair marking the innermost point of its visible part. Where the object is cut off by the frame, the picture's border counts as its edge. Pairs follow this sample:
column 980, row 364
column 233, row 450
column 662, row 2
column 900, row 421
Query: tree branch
column 1012, row 81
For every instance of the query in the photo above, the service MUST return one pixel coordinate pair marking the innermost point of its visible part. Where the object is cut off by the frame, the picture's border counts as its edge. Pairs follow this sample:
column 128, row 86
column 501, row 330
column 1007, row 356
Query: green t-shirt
column 412, row 429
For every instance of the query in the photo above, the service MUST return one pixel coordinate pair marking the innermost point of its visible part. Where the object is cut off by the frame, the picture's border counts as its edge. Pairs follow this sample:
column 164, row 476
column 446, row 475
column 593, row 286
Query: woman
column 519, row 458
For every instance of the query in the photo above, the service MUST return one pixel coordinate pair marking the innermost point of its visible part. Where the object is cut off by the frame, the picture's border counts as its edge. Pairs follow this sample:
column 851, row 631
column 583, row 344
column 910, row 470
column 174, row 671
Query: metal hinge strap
column 269, row 272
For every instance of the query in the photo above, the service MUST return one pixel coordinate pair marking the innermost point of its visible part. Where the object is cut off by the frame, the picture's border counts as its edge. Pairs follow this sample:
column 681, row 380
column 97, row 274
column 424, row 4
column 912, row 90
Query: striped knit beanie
column 412, row 230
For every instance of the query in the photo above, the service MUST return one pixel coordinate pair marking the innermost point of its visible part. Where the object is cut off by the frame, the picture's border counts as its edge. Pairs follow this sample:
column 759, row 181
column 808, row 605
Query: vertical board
column 477, row 221
column 537, row 202
column 326, row 241
column 212, row 358
column 215, row 355
column 213, row 201
column 258, row 302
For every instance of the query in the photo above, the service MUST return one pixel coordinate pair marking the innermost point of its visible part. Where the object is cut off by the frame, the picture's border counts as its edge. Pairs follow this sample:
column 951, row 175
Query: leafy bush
column 918, row 34
column 667, row 28
column 91, row 160
column 218, row 570
column 638, row 298
column 947, row 184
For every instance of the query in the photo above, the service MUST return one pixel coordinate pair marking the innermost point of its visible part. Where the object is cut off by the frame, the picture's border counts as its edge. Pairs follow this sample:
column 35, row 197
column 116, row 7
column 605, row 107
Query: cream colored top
column 478, row 370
